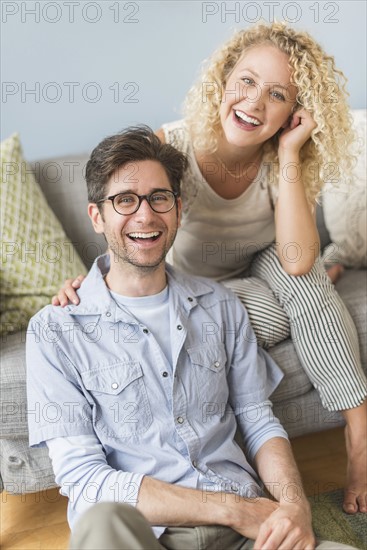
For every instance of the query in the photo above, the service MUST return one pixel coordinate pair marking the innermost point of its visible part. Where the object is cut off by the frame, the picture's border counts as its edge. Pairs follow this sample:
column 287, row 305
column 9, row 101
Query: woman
column 265, row 126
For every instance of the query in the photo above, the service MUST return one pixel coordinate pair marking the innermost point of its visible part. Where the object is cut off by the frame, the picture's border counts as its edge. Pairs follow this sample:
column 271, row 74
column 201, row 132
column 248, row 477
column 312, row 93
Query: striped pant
column 308, row 309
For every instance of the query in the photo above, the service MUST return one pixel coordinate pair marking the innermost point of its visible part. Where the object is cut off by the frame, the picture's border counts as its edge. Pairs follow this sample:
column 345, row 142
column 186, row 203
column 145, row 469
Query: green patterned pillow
column 36, row 255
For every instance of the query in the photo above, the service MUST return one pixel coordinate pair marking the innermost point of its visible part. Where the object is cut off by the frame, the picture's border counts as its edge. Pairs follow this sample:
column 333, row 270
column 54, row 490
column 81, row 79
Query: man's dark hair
column 136, row 143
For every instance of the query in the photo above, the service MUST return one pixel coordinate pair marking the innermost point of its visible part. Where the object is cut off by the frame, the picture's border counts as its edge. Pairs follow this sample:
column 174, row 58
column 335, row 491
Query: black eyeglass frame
column 141, row 198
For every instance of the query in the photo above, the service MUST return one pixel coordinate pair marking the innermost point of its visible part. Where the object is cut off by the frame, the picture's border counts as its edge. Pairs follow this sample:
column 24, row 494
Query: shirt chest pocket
column 120, row 401
column 209, row 367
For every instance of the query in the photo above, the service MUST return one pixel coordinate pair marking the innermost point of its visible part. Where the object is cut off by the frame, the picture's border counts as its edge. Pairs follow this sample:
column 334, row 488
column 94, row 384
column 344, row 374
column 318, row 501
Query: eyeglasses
column 160, row 201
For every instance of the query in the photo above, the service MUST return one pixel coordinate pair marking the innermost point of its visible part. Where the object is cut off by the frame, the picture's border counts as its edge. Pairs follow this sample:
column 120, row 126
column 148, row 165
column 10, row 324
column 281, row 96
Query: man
column 143, row 385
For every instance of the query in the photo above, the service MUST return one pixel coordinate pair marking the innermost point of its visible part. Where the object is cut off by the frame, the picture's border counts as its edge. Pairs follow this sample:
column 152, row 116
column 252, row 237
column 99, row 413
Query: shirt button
column 179, row 327
column 190, row 299
column 234, row 488
column 217, row 364
column 114, row 386
column 108, row 314
column 145, row 330
column 165, row 374
column 180, row 420
column 194, row 463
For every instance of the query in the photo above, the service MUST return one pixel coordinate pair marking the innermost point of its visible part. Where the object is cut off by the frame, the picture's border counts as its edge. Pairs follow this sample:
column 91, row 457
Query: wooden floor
column 33, row 521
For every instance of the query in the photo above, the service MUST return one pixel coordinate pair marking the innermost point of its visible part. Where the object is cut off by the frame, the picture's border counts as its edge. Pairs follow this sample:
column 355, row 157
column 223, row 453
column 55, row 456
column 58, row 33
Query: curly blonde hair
column 321, row 91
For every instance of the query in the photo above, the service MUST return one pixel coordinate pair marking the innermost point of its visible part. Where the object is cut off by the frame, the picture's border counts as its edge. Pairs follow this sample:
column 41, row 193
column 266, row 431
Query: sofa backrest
column 63, row 184
column 321, row 226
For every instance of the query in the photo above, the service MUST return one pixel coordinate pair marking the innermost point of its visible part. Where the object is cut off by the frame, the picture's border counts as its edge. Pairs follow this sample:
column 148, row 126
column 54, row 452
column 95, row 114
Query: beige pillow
column 36, row 255
column 345, row 210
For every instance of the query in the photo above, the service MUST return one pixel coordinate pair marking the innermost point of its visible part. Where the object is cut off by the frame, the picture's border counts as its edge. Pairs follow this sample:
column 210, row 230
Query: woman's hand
column 298, row 131
column 67, row 292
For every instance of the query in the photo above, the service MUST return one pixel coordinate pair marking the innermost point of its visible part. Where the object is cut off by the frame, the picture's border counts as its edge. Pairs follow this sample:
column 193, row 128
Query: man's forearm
column 278, row 470
column 166, row 504
column 171, row 505
column 290, row 526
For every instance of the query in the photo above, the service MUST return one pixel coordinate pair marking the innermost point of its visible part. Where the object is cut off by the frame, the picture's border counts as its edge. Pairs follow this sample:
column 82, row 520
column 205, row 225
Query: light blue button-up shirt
column 95, row 370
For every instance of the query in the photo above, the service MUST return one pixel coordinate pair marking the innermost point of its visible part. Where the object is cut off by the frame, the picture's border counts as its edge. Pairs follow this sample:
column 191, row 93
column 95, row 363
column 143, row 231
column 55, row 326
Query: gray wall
column 96, row 67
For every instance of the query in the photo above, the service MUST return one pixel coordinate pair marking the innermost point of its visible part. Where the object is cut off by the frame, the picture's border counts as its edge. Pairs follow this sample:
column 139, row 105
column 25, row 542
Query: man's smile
column 139, row 236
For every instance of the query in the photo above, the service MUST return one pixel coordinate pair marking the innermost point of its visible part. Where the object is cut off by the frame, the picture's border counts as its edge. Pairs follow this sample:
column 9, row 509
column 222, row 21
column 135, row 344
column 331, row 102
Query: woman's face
column 258, row 98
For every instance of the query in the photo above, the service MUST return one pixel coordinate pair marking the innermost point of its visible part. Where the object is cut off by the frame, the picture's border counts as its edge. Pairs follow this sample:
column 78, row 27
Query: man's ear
column 96, row 217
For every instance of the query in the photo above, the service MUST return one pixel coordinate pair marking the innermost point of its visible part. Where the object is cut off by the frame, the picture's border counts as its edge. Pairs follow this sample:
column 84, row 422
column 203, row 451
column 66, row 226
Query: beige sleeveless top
column 218, row 237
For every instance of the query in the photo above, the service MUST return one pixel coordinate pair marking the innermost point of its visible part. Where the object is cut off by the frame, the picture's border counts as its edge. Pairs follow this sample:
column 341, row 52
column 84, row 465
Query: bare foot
column 335, row 272
column 355, row 494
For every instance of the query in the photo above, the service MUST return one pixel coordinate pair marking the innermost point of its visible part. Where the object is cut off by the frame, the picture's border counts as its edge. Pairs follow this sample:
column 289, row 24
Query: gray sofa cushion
column 306, row 415
column 13, row 386
column 321, row 227
column 295, row 381
column 25, row 470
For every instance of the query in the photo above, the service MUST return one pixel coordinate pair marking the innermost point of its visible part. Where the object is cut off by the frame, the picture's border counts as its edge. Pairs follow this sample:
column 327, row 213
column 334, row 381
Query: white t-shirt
column 153, row 312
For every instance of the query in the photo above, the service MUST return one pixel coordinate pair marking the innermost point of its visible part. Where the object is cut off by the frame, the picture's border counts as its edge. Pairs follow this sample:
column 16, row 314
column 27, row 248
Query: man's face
column 141, row 239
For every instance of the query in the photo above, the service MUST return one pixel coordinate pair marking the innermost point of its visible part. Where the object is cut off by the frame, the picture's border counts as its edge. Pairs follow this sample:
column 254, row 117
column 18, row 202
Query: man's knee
column 104, row 512
column 112, row 525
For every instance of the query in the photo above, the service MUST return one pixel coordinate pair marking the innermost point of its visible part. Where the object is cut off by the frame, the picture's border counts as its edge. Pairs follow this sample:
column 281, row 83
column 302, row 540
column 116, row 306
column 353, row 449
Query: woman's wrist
column 286, row 156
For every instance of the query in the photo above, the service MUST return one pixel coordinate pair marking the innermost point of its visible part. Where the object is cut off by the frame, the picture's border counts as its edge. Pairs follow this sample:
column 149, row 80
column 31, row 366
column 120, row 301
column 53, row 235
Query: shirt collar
column 93, row 293
column 95, row 298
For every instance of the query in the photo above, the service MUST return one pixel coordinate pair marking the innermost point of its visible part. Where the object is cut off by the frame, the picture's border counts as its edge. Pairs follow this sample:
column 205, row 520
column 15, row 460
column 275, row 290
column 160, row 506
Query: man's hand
column 289, row 526
column 246, row 516
column 67, row 294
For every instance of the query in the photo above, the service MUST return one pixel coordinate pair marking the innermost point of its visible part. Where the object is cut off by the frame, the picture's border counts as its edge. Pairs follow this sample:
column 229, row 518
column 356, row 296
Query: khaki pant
column 111, row 526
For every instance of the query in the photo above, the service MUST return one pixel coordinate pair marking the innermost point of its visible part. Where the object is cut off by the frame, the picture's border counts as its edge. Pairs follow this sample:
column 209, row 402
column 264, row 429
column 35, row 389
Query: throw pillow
column 36, row 255
column 345, row 209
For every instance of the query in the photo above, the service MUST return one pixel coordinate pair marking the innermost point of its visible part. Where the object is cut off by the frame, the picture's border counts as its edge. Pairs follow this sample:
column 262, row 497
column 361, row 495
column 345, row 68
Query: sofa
column 296, row 403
